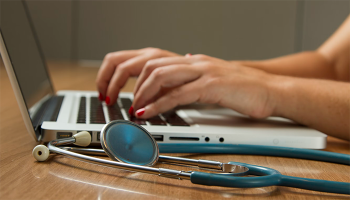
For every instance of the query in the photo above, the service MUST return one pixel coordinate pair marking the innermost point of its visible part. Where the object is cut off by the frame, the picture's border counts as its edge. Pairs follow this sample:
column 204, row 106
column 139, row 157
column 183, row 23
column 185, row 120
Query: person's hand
column 118, row 66
column 165, row 83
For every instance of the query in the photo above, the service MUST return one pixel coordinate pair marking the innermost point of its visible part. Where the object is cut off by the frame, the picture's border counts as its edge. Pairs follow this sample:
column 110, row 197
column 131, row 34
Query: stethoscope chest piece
column 128, row 142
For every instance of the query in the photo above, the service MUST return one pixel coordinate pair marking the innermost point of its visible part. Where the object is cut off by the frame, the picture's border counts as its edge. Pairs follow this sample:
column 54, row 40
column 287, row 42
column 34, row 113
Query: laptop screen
column 24, row 52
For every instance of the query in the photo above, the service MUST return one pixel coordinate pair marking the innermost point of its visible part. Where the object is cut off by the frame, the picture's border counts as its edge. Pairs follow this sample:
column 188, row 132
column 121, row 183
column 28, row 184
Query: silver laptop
column 48, row 115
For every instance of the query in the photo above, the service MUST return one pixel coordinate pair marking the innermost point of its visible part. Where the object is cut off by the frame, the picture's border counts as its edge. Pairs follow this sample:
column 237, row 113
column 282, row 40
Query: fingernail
column 188, row 55
column 108, row 100
column 140, row 112
column 100, row 97
column 131, row 111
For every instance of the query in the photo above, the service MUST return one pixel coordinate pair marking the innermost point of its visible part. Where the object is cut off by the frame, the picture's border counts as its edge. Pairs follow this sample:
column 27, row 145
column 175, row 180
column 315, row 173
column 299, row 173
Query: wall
column 322, row 18
column 53, row 24
column 87, row 30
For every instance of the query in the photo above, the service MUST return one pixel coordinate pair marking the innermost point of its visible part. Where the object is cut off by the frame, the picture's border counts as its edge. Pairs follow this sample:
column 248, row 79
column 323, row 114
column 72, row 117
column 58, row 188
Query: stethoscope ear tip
column 41, row 152
column 82, row 138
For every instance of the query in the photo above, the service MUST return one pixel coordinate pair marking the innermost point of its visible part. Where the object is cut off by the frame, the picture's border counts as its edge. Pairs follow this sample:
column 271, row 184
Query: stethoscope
column 134, row 149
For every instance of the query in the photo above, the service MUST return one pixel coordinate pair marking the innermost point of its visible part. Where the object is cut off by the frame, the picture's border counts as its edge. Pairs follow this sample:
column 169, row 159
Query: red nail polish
column 100, row 97
column 140, row 112
column 108, row 100
column 188, row 55
column 131, row 111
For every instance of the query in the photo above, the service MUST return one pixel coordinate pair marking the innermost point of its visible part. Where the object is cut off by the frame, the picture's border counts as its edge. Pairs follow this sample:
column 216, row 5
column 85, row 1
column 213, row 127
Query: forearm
column 306, row 64
column 320, row 104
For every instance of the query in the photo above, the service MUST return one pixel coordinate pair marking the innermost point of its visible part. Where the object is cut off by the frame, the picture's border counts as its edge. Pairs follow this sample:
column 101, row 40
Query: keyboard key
column 173, row 119
column 138, row 121
column 82, row 111
column 157, row 121
column 178, row 123
column 114, row 112
column 126, row 103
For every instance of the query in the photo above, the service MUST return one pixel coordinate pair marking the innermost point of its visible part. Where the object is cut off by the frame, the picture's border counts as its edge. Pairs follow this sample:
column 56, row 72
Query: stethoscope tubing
column 244, row 149
column 267, row 176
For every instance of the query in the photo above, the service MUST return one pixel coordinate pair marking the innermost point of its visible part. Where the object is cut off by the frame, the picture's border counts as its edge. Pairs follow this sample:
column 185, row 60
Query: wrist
column 281, row 95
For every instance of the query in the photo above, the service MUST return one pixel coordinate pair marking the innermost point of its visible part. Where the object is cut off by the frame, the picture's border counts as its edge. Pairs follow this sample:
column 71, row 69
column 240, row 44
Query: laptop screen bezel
column 16, row 89
column 14, row 81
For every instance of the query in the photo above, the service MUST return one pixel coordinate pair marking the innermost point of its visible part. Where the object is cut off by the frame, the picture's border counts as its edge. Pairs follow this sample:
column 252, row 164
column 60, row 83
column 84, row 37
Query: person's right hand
column 118, row 66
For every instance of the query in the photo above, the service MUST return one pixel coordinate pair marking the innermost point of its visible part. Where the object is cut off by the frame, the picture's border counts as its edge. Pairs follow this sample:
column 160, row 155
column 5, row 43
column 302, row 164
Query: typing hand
column 118, row 66
column 168, row 82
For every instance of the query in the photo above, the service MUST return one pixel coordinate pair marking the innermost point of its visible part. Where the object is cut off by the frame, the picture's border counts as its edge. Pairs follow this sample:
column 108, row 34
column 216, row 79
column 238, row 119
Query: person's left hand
column 165, row 83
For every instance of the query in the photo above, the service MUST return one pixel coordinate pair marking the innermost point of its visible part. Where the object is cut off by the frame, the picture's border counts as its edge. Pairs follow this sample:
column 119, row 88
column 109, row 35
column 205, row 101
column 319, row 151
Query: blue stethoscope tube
column 266, row 176
column 256, row 150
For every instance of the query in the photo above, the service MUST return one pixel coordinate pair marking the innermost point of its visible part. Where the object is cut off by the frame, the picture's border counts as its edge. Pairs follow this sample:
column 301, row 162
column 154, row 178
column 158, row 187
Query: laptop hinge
column 48, row 111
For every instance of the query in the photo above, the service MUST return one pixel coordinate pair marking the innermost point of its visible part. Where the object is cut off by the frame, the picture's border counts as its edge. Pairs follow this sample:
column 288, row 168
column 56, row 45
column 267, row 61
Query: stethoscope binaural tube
column 218, row 167
column 134, row 147
column 52, row 147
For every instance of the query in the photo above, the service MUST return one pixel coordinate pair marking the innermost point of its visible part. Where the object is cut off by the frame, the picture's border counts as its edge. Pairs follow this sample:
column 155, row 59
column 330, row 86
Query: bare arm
column 293, row 87
column 330, row 61
column 320, row 104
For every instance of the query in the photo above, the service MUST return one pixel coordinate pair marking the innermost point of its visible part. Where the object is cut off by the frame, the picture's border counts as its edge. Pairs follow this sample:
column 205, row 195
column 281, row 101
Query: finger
column 155, row 63
column 131, row 67
column 182, row 95
column 109, row 64
column 164, row 77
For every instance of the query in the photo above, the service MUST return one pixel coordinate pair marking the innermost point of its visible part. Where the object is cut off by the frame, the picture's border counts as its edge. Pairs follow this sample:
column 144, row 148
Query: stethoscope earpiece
column 41, row 153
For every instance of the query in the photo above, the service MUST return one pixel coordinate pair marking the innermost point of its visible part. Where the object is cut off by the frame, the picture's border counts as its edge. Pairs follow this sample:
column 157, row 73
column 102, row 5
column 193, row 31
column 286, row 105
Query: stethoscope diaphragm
column 128, row 142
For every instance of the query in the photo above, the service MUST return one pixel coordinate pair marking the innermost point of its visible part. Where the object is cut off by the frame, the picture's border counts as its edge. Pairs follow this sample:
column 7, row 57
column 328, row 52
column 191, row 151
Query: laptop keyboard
column 114, row 113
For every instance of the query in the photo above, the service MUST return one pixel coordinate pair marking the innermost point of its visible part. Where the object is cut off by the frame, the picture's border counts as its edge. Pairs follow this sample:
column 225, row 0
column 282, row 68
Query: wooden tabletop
column 21, row 177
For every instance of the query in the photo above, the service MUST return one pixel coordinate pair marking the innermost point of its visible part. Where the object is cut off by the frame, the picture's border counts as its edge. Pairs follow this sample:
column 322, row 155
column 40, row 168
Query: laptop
column 50, row 115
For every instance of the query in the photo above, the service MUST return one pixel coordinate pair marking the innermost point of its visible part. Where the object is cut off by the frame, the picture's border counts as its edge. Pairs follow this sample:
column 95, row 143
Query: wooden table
column 21, row 177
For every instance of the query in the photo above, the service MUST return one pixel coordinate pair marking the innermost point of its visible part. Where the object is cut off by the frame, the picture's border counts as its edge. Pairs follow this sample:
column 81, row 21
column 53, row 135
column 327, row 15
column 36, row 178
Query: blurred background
column 231, row 29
